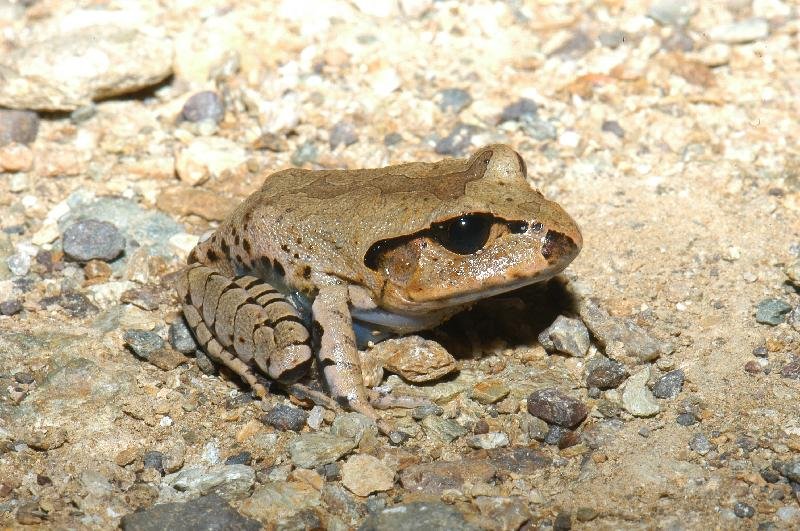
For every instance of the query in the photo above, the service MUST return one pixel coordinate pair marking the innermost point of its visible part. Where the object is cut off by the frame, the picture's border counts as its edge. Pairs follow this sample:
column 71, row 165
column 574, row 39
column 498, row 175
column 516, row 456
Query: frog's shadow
column 516, row 318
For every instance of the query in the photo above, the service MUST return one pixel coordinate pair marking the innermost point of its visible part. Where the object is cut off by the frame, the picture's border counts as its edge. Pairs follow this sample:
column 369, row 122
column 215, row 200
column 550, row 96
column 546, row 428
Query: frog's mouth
column 479, row 256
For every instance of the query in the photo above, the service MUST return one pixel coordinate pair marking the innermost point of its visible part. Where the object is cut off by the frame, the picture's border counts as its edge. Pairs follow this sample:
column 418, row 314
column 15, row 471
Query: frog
column 316, row 262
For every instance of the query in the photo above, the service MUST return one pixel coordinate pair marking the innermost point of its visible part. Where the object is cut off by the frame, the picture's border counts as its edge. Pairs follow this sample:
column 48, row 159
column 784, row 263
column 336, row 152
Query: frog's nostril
column 557, row 245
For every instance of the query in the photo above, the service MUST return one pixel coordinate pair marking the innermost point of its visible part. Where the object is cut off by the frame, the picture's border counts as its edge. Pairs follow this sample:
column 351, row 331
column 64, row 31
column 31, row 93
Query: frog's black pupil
column 465, row 234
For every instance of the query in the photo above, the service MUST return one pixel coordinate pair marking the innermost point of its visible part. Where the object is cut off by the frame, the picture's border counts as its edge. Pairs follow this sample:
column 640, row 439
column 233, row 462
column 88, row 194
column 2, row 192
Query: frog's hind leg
column 241, row 322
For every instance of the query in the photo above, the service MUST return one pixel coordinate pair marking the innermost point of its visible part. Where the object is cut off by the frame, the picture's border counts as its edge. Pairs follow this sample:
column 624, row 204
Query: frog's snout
column 559, row 246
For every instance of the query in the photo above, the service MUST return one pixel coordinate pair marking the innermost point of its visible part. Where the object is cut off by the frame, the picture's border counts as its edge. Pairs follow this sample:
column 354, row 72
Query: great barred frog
column 314, row 257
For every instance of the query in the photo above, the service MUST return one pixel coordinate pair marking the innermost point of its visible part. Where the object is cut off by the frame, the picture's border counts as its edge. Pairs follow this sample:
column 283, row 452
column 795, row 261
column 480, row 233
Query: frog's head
column 475, row 228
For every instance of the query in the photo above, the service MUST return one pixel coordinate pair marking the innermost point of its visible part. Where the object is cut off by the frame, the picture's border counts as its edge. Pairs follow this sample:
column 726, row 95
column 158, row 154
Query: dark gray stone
column 742, row 510
column 242, row 458
column 574, row 47
column 454, row 100
column 10, row 307
column 772, row 311
column 285, row 417
column 555, row 407
column 18, row 126
column 143, row 343
column 605, row 373
column 206, row 105
column 612, row 126
column 416, row 516
column 669, row 385
column 140, row 227
column 90, row 239
column 392, row 138
column 518, row 109
column 686, row 419
column 342, row 133
column 457, row 141
column 181, row 338
column 154, row 459
column 209, row 513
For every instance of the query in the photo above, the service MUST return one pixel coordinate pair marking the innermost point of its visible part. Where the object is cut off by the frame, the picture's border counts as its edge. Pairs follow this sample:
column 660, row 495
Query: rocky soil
column 656, row 385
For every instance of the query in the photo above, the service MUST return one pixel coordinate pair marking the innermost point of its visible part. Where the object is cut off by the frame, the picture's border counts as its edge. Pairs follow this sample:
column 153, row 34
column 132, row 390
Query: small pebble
column 343, row 133
column 242, row 458
column 792, row 369
column 772, row 311
column 457, row 141
column 310, row 450
column 420, row 412
column 206, row 105
column 538, row 129
column 489, row 391
column 604, row 373
column 686, row 419
column 447, row 430
column 19, row 264
column 90, row 239
column 700, row 444
column 11, row 307
column 671, row 12
column 669, row 385
column 752, row 367
column 364, row 474
column 761, row 352
column 566, row 335
column 770, row 475
column 283, row 417
column 518, row 109
column 742, row 510
column 18, row 126
column 563, row 522
column 637, row 399
column 181, row 338
column 613, row 127
column 555, row 407
column 487, row 441
column 612, row 39
column 142, row 342
column 155, row 460
column 741, row 32
column 586, row 514
column 306, row 152
column 399, row 437
column 392, row 139
column 454, row 100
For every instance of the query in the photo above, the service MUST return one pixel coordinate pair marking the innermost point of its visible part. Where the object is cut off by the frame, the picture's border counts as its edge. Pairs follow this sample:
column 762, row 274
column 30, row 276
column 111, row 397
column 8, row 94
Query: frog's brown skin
column 365, row 245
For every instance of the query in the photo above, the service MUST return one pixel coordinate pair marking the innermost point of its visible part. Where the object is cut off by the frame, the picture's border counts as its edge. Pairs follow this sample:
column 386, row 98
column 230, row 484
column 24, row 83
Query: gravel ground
column 656, row 385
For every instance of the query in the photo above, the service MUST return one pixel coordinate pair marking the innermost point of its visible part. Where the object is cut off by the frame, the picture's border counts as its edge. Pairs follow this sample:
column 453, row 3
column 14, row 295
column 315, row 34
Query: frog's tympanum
column 314, row 260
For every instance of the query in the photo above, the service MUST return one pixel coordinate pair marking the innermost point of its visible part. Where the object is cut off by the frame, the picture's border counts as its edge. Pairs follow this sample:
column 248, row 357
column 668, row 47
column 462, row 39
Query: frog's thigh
column 338, row 356
column 242, row 321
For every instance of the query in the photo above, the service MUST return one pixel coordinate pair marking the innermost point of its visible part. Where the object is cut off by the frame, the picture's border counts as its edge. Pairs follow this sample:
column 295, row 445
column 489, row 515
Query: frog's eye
column 465, row 234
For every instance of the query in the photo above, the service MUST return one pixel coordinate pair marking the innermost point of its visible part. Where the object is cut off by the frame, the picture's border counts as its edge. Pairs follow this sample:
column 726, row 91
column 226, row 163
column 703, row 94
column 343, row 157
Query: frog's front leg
column 338, row 354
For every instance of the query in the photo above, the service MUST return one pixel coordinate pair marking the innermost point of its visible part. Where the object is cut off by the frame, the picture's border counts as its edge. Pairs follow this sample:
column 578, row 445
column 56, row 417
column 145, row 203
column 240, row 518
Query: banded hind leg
column 244, row 323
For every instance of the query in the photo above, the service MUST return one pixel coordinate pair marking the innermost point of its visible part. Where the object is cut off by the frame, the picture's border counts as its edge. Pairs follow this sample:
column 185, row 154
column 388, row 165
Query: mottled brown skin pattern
column 361, row 243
